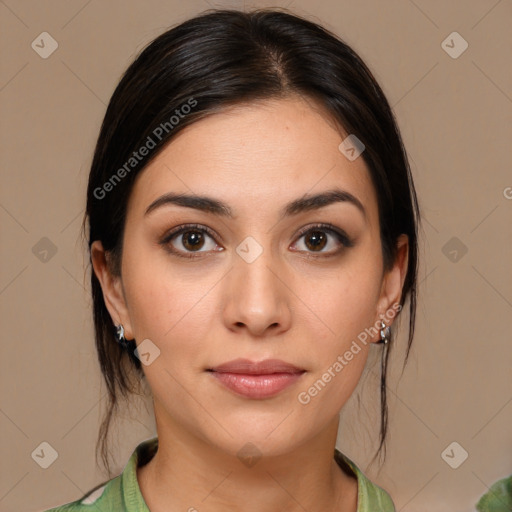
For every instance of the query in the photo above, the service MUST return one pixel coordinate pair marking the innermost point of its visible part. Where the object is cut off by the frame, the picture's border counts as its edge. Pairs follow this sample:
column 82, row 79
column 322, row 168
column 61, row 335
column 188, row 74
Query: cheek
column 168, row 305
column 345, row 308
column 345, row 303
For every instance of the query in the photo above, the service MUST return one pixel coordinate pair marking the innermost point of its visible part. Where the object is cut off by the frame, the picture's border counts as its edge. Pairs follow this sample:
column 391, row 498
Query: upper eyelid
column 320, row 226
column 183, row 228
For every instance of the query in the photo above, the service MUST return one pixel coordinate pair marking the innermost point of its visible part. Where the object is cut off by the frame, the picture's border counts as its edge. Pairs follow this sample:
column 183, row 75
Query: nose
column 257, row 297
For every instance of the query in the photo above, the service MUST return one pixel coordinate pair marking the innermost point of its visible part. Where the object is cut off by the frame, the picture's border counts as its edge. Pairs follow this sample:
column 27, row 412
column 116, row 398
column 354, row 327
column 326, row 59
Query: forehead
column 264, row 153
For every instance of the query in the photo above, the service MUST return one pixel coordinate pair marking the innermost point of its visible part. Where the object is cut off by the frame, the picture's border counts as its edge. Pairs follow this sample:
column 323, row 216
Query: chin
column 253, row 435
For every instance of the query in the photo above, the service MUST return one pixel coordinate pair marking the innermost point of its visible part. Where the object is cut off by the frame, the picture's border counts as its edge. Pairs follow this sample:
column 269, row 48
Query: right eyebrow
column 203, row 203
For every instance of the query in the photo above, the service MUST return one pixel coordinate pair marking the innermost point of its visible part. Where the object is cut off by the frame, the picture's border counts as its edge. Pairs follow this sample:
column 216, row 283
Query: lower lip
column 257, row 386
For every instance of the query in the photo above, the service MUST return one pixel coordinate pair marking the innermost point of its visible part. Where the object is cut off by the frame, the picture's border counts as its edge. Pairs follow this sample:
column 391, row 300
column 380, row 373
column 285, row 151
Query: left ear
column 393, row 280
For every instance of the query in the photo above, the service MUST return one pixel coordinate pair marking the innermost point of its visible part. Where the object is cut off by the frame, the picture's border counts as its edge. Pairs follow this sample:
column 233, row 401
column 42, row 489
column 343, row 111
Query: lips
column 256, row 380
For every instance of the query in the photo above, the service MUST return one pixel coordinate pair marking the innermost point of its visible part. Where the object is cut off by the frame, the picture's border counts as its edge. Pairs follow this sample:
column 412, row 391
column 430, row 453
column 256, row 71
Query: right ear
column 112, row 288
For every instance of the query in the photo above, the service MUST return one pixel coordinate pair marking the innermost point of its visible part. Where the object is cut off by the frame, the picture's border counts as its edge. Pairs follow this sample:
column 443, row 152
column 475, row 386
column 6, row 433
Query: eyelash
column 327, row 227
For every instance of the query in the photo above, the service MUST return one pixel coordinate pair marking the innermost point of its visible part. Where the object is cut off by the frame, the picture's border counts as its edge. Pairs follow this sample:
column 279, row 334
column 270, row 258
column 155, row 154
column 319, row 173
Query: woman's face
column 262, row 282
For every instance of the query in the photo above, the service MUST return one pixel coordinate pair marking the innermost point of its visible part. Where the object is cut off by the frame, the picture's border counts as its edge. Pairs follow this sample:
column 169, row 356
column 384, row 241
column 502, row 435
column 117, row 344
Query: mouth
column 256, row 380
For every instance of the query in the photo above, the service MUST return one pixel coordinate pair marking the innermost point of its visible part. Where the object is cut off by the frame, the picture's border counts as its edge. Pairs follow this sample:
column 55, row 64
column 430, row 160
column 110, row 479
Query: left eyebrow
column 316, row 201
column 216, row 207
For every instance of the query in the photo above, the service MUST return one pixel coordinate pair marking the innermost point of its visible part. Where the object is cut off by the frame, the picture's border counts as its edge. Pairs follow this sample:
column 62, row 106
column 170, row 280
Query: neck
column 189, row 474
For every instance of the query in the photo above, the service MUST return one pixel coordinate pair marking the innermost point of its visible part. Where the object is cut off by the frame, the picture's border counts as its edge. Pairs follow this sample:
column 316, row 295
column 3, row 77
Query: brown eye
column 316, row 240
column 323, row 239
column 192, row 240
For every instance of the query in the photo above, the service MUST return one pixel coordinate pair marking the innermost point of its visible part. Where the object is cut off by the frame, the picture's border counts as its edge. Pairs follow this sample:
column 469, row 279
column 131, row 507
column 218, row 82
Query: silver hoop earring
column 120, row 336
column 385, row 333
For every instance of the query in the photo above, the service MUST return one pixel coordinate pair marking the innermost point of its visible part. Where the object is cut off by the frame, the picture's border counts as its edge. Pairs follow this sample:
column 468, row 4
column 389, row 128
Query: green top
column 122, row 493
column 498, row 498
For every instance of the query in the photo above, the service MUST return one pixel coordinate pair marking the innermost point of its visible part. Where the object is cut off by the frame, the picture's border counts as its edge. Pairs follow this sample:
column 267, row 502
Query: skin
column 290, row 303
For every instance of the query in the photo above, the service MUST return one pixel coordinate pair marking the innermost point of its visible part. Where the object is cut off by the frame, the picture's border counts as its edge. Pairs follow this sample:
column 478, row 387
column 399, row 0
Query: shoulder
column 498, row 497
column 107, row 496
column 121, row 493
column 370, row 497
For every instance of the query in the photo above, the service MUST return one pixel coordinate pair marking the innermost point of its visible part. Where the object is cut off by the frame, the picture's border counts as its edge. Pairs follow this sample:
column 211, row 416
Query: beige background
column 455, row 115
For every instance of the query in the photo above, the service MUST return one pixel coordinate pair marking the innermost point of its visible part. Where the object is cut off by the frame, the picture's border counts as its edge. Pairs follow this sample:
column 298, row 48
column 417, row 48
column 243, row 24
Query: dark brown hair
column 218, row 59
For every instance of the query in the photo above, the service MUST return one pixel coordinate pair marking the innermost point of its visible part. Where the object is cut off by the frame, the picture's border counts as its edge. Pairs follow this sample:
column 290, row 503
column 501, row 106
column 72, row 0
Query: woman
column 252, row 233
